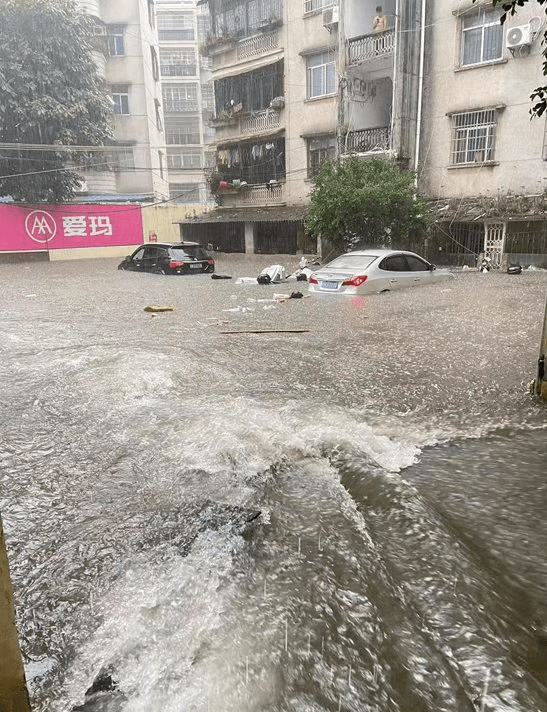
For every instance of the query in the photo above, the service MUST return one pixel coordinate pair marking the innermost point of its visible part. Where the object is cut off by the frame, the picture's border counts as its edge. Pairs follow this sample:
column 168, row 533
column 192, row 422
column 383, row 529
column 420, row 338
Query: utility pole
column 13, row 688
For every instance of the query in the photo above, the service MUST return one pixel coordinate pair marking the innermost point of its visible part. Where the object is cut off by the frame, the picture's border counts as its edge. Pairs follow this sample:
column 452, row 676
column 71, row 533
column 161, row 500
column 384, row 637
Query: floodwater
column 346, row 517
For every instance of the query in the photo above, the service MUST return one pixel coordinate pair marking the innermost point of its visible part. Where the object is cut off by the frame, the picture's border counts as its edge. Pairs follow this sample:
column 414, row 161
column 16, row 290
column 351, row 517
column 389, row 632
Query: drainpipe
column 394, row 92
column 13, row 689
column 420, row 93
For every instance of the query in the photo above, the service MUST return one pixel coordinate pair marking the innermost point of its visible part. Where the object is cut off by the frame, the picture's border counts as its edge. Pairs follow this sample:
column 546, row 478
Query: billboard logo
column 40, row 226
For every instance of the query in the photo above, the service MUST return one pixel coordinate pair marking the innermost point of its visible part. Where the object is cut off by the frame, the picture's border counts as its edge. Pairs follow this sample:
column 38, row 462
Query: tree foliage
column 539, row 95
column 50, row 93
column 372, row 203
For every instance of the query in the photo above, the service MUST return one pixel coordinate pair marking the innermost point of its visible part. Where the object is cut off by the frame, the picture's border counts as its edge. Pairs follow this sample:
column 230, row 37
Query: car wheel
column 210, row 268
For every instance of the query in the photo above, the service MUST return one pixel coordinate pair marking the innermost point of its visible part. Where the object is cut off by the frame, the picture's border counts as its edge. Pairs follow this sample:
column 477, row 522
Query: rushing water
column 350, row 517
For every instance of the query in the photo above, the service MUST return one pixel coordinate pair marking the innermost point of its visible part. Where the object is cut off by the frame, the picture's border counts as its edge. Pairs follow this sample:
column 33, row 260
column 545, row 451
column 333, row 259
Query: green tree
column 372, row 203
column 539, row 95
column 50, row 94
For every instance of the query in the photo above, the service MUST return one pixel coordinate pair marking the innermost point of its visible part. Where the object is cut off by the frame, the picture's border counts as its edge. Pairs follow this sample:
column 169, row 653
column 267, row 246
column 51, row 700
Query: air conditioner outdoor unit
column 519, row 36
column 330, row 16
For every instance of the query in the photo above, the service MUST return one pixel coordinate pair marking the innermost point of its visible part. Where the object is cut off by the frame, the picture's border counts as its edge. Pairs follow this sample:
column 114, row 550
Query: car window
column 416, row 264
column 194, row 252
column 351, row 262
column 151, row 252
column 139, row 254
column 395, row 263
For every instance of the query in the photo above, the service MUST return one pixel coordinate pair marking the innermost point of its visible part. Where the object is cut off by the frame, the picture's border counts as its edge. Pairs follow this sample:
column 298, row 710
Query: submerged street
column 345, row 513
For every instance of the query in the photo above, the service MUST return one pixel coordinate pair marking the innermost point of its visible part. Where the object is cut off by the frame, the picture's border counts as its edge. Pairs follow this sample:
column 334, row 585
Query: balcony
column 258, row 44
column 373, row 140
column 367, row 47
column 260, row 121
column 254, row 196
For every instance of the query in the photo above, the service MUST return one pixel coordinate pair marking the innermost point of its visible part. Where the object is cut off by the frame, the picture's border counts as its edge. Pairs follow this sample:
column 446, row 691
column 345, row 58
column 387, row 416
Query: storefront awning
column 280, row 213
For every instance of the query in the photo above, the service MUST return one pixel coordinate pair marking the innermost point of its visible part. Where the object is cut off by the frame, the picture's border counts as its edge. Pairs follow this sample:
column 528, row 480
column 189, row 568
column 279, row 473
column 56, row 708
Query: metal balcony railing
column 374, row 140
column 371, row 46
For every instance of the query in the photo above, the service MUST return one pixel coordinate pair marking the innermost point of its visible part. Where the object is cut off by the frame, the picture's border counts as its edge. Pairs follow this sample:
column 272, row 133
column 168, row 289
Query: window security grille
column 473, row 137
column 320, row 149
column 311, row 5
column 180, row 99
column 175, row 28
column 178, row 64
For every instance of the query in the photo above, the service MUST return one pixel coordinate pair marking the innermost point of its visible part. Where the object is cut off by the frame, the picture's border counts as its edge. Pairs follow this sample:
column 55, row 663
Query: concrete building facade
column 296, row 84
column 126, row 53
column 482, row 156
column 188, row 100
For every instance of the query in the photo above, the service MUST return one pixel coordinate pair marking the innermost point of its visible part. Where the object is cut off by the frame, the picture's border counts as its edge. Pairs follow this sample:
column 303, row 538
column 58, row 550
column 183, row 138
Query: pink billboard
column 55, row 227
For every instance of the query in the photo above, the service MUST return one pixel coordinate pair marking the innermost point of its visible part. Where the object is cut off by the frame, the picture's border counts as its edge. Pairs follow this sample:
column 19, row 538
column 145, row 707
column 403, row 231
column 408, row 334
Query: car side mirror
column 432, row 267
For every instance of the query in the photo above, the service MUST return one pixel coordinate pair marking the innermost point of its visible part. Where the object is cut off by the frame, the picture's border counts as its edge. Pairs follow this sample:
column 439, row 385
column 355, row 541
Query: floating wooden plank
column 267, row 331
column 158, row 309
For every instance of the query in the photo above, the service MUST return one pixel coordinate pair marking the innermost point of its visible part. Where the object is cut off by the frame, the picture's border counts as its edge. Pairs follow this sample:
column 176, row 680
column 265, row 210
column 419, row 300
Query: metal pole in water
column 541, row 382
column 13, row 687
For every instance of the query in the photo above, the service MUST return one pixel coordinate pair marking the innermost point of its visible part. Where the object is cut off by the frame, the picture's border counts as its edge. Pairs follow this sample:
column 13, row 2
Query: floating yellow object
column 158, row 309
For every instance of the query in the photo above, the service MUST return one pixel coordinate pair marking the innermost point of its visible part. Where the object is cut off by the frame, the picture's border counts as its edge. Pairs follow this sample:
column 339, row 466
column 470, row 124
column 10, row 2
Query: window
column 175, row 28
column 120, row 97
column 321, row 74
column 123, row 159
column 320, row 149
column 482, row 37
column 159, row 124
column 155, row 63
column 181, row 130
column 473, row 137
column 160, row 160
column 416, row 264
column 311, row 5
column 184, row 192
column 183, row 159
column 115, row 40
column 396, row 263
column 181, row 98
column 180, row 63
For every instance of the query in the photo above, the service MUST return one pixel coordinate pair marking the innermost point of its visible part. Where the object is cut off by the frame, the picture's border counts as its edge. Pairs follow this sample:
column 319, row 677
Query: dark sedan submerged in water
column 169, row 258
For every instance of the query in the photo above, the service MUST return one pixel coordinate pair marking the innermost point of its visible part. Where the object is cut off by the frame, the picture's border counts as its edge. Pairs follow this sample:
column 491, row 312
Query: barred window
column 181, row 130
column 311, row 5
column 184, row 192
column 175, row 28
column 321, row 74
column 473, row 136
column 482, row 37
column 181, row 63
column 183, row 159
column 320, row 149
column 181, row 98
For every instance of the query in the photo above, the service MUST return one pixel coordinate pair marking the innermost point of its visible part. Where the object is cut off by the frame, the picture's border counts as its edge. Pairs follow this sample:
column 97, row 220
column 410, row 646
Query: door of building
column 494, row 242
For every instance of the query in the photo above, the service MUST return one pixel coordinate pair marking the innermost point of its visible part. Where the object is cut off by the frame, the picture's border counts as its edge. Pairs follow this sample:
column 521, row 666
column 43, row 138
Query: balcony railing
column 254, row 195
column 258, row 44
column 375, row 140
column 260, row 121
column 370, row 46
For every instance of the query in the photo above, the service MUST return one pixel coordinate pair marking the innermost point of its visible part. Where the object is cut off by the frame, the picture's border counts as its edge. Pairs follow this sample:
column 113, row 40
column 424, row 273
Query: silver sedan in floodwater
column 369, row 271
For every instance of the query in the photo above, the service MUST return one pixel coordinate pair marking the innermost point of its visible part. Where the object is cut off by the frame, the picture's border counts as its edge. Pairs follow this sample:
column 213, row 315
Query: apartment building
column 296, row 84
column 134, row 167
column 482, row 157
column 188, row 102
